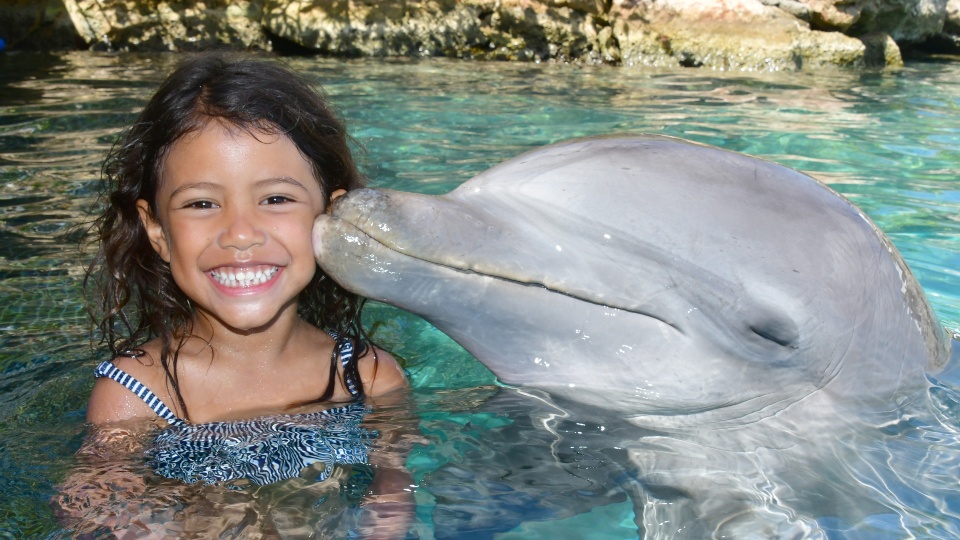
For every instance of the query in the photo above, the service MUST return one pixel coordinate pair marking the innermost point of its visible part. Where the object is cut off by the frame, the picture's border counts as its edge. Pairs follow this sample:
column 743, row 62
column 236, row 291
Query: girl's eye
column 277, row 199
column 201, row 205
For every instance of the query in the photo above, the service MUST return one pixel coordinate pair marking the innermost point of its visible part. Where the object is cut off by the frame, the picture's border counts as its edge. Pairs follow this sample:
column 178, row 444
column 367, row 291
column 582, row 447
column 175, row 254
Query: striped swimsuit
column 263, row 450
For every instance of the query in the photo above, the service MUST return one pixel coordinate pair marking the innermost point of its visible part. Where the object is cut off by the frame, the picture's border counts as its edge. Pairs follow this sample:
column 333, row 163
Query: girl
column 209, row 295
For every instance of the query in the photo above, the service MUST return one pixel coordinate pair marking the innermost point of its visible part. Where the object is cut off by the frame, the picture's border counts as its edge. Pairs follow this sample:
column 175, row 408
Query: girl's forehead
column 217, row 132
column 223, row 148
column 265, row 132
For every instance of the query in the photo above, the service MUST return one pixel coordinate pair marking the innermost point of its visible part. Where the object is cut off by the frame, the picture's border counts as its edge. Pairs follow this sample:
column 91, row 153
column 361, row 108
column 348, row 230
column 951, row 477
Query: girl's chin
column 246, row 325
column 252, row 320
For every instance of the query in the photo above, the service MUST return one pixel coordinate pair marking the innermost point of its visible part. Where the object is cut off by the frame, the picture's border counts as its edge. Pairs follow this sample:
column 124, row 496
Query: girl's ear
column 158, row 239
column 334, row 196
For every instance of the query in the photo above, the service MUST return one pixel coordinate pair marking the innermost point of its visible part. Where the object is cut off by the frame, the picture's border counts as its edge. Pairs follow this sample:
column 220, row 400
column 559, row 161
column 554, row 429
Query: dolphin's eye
column 783, row 332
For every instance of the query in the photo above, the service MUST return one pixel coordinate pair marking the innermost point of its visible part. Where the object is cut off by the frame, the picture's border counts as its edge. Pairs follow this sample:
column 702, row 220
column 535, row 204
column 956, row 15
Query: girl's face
column 234, row 217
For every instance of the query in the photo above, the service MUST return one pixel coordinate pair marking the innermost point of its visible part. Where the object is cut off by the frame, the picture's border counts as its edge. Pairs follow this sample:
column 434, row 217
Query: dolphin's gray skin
column 731, row 302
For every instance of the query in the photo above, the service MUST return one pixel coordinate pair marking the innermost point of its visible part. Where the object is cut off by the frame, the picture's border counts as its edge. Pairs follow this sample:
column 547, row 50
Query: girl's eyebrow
column 266, row 182
column 196, row 185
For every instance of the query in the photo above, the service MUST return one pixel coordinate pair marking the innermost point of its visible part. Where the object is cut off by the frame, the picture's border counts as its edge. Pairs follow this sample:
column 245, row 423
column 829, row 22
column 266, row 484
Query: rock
column 545, row 31
column 719, row 34
column 830, row 15
column 881, row 50
column 725, row 34
column 506, row 30
column 32, row 25
column 797, row 9
column 167, row 25
column 370, row 28
column 951, row 24
column 906, row 21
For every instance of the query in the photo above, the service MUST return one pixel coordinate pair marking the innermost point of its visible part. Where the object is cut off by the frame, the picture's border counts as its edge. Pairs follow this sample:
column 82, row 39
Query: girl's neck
column 271, row 341
column 230, row 374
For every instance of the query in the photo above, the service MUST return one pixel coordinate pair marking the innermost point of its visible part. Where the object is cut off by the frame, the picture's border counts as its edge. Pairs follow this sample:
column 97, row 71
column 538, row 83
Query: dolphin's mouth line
column 504, row 279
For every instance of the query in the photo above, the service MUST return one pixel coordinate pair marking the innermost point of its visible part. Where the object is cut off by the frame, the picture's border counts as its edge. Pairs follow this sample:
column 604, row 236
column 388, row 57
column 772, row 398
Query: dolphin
column 729, row 302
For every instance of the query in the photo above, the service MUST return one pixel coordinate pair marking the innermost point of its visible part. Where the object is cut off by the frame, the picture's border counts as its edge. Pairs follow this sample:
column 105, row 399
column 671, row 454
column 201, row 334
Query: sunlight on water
column 889, row 141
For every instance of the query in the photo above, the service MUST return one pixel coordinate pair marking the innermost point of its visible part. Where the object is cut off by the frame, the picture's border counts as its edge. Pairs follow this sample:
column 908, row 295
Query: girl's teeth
column 248, row 278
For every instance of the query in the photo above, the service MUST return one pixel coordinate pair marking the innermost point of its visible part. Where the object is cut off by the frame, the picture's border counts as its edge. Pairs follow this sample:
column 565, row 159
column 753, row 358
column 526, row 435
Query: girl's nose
column 240, row 231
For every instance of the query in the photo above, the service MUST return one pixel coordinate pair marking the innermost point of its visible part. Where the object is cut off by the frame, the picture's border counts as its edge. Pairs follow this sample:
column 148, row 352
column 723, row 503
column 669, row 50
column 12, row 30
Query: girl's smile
column 233, row 218
column 244, row 280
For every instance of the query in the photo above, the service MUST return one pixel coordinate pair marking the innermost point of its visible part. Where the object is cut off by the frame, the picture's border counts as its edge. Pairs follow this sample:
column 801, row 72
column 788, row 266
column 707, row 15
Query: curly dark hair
column 135, row 298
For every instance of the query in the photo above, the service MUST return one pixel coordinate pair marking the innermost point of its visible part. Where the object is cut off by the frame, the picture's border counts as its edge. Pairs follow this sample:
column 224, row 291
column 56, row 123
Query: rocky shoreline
column 719, row 34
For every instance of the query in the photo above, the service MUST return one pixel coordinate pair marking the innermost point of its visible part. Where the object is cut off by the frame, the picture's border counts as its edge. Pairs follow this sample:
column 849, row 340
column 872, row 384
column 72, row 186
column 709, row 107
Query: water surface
column 888, row 140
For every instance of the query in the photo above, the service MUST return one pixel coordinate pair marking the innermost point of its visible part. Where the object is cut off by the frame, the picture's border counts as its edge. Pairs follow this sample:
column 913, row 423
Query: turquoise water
column 889, row 141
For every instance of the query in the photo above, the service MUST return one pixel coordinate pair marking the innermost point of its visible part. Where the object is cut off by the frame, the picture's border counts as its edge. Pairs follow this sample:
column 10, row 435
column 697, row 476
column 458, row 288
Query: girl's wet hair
column 136, row 298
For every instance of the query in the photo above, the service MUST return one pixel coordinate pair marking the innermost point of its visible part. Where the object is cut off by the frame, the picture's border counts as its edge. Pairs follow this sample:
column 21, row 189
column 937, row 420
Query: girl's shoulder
column 380, row 372
column 112, row 402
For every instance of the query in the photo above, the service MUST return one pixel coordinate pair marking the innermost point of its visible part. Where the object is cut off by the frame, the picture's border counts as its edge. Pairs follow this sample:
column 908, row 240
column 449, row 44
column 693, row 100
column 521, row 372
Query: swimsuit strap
column 110, row 371
column 345, row 351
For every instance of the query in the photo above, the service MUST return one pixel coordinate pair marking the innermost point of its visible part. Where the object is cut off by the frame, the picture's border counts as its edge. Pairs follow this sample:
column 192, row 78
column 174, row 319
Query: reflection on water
column 490, row 461
column 111, row 486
